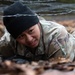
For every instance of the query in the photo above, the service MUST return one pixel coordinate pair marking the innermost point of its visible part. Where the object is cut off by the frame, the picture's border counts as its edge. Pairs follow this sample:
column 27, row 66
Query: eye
column 30, row 31
column 21, row 36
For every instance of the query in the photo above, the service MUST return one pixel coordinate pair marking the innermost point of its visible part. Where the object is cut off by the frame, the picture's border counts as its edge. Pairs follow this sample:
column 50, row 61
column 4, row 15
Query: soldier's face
column 30, row 37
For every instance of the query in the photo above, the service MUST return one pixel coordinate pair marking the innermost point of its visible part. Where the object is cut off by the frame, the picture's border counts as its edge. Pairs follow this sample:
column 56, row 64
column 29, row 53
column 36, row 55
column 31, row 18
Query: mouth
column 33, row 43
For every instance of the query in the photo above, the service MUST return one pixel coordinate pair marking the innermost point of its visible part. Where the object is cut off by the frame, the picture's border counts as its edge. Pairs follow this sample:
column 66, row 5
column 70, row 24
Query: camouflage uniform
column 55, row 42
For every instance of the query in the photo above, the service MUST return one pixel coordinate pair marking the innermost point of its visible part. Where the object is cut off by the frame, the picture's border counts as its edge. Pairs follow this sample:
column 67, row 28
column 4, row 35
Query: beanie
column 18, row 18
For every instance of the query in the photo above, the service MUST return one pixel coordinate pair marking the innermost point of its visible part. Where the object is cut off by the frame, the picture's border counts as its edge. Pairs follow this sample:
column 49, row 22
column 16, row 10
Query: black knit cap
column 18, row 18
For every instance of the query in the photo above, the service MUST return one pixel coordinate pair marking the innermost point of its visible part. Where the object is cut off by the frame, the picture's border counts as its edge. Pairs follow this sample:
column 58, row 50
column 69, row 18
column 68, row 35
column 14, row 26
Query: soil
column 59, row 66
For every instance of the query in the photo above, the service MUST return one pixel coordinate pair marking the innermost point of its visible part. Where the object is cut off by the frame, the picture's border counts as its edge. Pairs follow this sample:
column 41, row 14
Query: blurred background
column 49, row 9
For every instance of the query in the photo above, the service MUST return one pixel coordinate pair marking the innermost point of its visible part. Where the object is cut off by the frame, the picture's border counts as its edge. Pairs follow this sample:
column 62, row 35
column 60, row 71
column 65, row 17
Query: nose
column 28, row 38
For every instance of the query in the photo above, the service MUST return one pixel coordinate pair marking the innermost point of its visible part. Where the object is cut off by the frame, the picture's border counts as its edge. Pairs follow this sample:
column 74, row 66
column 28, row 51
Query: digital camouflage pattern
column 55, row 42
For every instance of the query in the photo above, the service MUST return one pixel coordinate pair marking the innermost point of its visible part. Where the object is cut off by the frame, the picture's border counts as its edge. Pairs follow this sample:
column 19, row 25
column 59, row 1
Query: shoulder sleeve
column 6, row 49
column 66, row 42
column 63, row 41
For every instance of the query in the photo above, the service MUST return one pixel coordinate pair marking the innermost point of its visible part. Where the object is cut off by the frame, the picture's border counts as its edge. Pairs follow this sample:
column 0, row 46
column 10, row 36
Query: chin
column 34, row 46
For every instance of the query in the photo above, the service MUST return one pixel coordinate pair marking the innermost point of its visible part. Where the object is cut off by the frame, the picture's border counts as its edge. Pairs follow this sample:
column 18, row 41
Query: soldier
column 32, row 38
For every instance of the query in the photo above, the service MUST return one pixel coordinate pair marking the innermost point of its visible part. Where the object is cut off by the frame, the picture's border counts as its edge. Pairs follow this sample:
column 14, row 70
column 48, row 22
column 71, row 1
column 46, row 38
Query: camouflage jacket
column 55, row 42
